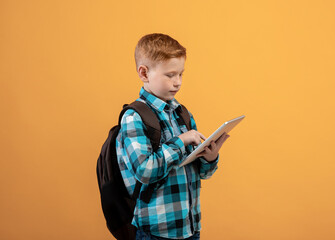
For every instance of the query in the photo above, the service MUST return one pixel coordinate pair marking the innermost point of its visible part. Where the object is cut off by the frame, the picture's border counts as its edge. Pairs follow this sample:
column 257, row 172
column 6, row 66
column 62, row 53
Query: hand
column 211, row 152
column 192, row 137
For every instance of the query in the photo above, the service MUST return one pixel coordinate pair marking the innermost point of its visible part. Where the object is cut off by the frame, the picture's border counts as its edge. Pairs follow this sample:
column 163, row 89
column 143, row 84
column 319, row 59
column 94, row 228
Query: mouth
column 173, row 92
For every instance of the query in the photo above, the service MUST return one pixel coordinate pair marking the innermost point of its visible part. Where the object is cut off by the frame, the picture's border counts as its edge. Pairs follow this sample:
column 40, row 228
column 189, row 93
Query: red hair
column 157, row 47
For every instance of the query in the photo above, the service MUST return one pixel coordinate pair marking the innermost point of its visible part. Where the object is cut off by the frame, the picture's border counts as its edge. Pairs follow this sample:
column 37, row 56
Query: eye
column 169, row 75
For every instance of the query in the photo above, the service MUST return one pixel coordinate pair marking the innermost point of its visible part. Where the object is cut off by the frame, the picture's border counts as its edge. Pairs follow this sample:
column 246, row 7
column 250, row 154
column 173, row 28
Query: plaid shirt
column 174, row 208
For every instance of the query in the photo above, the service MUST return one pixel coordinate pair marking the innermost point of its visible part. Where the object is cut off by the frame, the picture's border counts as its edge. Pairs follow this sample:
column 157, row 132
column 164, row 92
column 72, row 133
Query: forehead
column 172, row 64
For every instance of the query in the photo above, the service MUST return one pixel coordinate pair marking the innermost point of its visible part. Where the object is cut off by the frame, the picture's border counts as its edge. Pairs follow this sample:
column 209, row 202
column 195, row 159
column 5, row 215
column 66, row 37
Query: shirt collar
column 157, row 103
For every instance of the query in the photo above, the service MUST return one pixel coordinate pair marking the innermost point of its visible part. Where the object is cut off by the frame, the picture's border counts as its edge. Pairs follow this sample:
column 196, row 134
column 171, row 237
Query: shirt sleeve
column 146, row 165
column 207, row 169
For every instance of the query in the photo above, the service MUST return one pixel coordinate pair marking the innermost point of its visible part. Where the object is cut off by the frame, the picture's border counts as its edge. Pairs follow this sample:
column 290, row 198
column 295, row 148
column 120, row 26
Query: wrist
column 210, row 159
column 181, row 138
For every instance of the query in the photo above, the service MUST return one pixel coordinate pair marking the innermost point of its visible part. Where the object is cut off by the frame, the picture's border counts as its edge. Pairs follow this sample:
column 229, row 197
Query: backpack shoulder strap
column 150, row 120
column 184, row 114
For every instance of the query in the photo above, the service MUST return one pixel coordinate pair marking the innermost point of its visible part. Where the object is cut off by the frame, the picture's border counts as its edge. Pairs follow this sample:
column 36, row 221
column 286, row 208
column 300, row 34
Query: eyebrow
column 175, row 71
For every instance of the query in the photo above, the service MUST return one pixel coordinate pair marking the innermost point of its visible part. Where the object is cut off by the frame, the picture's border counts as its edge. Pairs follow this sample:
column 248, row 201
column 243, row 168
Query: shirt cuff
column 203, row 160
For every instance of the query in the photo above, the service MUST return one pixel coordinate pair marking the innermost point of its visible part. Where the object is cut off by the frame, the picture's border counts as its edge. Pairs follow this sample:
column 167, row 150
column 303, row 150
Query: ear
column 143, row 73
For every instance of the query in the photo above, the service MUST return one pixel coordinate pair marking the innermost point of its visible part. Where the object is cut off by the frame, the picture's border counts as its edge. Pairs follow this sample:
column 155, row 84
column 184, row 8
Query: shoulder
column 130, row 116
column 131, row 124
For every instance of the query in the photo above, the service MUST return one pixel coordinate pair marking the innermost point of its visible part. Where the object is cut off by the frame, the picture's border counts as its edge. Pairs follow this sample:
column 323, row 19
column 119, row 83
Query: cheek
column 162, row 84
column 168, row 83
column 158, row 85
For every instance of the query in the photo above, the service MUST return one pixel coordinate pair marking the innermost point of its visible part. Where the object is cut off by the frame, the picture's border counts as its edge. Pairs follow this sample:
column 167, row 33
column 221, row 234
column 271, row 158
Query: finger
column 202, row 136
column 226, row 137
column 201, row 153
column 197, row 141
column 212, row 146
column 221, row 140
column 207, row 150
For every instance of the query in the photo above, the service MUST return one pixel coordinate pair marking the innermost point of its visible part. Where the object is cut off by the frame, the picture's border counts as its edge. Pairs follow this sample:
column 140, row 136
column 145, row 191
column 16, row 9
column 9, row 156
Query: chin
column 170, row 98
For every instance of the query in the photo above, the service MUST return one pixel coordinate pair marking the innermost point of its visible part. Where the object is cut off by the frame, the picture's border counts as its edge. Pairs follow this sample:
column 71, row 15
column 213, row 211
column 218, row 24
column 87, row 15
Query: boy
column 174, row 208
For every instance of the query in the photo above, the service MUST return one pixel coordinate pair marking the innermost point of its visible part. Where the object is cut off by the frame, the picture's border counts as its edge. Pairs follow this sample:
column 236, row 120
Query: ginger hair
column 157, row 47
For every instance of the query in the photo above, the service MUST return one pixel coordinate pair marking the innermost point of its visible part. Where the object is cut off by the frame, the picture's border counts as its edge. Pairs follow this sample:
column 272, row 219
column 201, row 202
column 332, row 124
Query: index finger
column 202, row 136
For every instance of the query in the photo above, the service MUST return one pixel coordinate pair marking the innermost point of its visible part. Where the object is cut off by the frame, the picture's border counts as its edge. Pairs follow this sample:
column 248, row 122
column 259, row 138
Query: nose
column 177, row 81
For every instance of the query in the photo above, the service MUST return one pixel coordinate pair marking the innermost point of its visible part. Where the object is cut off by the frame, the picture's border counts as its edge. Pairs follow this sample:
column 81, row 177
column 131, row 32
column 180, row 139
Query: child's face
column 164, row 79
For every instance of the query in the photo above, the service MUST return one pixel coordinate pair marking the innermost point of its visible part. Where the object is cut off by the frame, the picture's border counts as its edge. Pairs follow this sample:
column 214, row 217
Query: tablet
column 224, row 128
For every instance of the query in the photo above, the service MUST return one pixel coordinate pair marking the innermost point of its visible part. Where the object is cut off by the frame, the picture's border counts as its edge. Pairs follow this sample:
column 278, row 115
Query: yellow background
column 66, row 68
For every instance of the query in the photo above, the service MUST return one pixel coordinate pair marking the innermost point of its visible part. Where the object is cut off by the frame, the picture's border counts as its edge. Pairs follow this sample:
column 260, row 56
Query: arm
column 147, row 166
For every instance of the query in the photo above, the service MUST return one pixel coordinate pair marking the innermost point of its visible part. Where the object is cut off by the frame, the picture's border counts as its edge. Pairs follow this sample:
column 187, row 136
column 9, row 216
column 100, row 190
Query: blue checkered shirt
column 174, row 208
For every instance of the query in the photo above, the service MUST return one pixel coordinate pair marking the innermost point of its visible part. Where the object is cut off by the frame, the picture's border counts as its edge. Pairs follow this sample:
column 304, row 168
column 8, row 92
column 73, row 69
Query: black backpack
column 117, row 205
